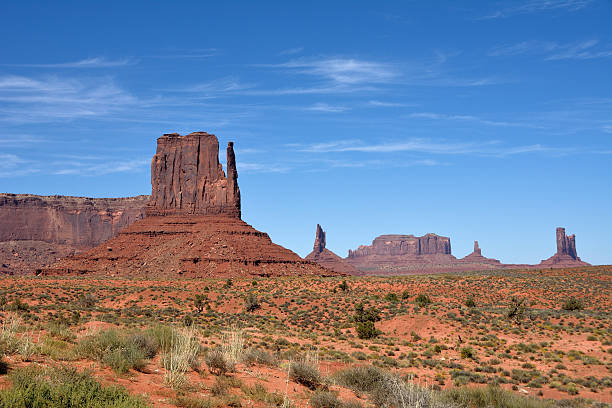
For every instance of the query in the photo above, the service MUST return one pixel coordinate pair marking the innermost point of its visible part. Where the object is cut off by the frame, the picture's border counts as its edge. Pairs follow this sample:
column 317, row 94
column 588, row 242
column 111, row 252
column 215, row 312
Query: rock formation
column 37, row 230
column 566, row 255
column 193, row 226
column 403, row 253
column 187, row 178
column 327, row 258
column 476, row 258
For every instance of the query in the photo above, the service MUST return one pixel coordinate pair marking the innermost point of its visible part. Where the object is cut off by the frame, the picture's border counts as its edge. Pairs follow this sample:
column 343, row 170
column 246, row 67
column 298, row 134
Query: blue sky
column 475, row 120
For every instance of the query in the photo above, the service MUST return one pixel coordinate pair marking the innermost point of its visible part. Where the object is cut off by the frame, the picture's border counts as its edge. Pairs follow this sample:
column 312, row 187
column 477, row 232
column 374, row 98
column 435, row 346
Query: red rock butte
column 327, row 258
column 192, row 226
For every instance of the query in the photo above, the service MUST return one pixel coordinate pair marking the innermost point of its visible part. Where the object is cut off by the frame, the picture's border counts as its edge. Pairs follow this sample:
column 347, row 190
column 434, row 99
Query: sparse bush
column 467, row 352
column 63, row 388
column 257, row 356
column 343, row 286
column 392, row 297
column 199, row 302
column 305, row 373
column 517, row 309
column 470, row 302
column 572, row 304
column 364, row 321
column 251, row 303
column 366, row 330
column 490, row 396
column 325, row 399
column 217, row 363
column 422, row 300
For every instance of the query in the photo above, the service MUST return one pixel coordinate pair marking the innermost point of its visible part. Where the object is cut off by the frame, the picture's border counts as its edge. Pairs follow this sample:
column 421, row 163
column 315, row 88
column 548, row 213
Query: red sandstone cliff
column 37, row 230
column 327, row 258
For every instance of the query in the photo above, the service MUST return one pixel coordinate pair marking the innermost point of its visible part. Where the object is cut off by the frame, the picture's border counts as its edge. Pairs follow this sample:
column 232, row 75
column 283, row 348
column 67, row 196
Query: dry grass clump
column 181, row 356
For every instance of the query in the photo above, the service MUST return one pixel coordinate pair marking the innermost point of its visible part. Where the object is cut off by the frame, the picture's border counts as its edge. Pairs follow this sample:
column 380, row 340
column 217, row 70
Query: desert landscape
column 399, row 204
column 178, row 302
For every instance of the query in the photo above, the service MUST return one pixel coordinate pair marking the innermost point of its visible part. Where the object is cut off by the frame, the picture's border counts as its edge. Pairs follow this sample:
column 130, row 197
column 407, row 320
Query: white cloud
column 324, row 107
column 96, row 62
column 48, row 99
column 470, row 118
column 537, row 6
column 389, row 104
column 553, row 50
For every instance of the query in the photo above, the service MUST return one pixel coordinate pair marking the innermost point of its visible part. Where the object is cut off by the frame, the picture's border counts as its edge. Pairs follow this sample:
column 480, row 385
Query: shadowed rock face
column 37, row 230
column 327, row 258
column 187, row 178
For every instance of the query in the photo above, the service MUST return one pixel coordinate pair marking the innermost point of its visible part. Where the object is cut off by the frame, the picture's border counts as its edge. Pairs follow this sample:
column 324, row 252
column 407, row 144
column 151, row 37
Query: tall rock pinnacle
column 319, row 244
column 187, row 178
column 566, row 245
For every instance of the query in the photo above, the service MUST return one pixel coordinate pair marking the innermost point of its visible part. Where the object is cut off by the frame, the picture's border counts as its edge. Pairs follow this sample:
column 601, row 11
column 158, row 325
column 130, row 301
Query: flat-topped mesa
column 187, row 178
column 428, row 244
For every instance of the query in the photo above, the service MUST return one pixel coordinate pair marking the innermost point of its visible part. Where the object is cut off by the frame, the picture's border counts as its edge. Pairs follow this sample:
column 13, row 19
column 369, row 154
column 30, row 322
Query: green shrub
column 305, row 373
column 364, row 321
column 366, row 330
column 422, row 300
column 490, row 396
column 391, row 297
column 251, row 303
column 325, row 399
column 572, row 304
column 257, row 356
column 217, row 363
column 470, row 302
column 467, row 352
column 63, row 388
column 119, row 351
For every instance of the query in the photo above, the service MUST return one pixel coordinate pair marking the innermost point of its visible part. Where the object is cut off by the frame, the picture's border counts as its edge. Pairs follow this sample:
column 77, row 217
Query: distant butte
column 476, row 257
column 566, row 256
column 327, row 258
column 193, row 226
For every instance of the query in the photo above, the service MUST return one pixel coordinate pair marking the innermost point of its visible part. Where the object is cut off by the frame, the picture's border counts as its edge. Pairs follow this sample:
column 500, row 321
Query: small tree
column 422, row 300
column 517, row 309
column 251, row 303
column 199, row 302
column 364, row 321
column 343, row 286
column 470, row 302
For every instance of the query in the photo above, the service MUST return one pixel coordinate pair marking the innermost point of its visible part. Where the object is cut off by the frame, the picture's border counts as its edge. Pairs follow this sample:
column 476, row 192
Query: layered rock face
column 187, row 178
column 37, row 230
column 566, row 255
column 403, row 253
column 477, row 258
column 327, row 258
column 193, row 226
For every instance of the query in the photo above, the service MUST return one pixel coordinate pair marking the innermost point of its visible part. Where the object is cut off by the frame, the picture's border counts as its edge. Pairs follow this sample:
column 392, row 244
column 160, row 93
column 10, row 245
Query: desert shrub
column 517, row 309
column 3, row 365
column 366, row 330
column 361, row 378
column 325, row 399
column 119, row 351
column 422, row 300
column 162, row 335
column 470, row 302
column 217, row 363
column 490, row 396
column 251, row 303
column 199, row 302
column 185, row 401
column 343, row 286
column 258, row 356
column 467, row 352
column 405, row 295
column 305, row 373
column 63, row 388
column 87, row 301
column 572, row 304
column 364, row 321
column 391, row 297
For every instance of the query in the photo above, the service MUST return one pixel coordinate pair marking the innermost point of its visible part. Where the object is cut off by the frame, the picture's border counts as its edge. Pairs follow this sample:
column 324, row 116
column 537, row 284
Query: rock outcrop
column 193, row 226
column 37, row 230
column 477, row 258
column 403, row 254
column 327, row 258
column 566, row 255
column 187, row 178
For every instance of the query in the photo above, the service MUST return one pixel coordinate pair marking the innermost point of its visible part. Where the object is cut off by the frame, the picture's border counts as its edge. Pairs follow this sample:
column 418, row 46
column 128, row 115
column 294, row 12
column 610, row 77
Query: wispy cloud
column 84, row 168
column 386, row 104
column 261, row 167
column 201, row 53
column 538, row 6
column 12, row 165
column 342, row 71
column 324, row 107
column 553, row 51
column 96, row 62
column 486, row 148
column 29, row 100
column 215, row 88
column 291, row 51
column 470, row 118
